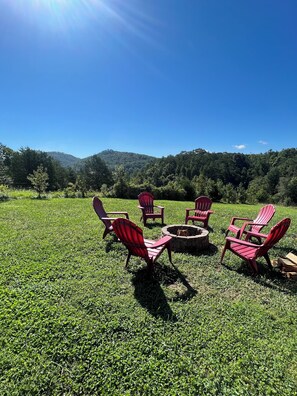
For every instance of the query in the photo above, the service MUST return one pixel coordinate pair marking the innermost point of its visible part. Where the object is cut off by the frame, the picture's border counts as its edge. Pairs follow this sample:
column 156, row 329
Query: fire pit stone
column 186, row 238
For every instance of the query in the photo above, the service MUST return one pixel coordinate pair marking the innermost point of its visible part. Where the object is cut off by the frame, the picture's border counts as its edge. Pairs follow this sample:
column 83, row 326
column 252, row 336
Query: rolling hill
column 66, row 160
column 130, row 161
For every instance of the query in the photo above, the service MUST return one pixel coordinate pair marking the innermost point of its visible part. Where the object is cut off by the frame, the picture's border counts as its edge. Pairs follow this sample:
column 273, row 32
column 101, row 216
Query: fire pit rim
column 190, row 243
column 203, row 231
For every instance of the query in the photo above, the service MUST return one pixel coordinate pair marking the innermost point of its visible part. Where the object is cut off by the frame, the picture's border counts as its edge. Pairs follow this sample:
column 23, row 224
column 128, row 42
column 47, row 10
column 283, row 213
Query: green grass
column 74, row 322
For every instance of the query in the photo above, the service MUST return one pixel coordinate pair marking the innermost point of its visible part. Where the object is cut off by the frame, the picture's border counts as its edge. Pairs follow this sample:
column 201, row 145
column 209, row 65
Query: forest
column 224, row 177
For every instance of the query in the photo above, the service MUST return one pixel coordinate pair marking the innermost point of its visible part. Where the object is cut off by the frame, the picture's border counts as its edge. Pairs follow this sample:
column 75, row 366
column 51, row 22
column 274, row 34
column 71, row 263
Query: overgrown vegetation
column 227, row 177
column 224, row 177
column 73, row 321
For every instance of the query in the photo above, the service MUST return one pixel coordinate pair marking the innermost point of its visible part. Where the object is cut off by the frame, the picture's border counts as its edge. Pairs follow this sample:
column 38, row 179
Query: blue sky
column 150, row 76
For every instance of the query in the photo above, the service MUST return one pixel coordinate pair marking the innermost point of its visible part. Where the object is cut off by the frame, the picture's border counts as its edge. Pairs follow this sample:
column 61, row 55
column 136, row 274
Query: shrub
column 3, row 193
column 69, row 191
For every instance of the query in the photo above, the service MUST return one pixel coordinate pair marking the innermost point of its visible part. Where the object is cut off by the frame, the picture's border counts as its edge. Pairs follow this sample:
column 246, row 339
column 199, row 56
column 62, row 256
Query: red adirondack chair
column 147, row 207
column 252, row 227
column 132, row 237
column 201, row 211
column 250, row 251
column 103, row 216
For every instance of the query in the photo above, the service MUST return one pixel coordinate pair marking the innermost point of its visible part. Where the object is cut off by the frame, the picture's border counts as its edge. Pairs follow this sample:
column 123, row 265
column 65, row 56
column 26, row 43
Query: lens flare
column 56, row 14
column 76, row 14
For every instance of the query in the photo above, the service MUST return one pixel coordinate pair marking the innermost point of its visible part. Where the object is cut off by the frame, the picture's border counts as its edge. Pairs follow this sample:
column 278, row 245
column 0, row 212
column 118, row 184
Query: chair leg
column 128, row 258
column 254, row 266
column 169, row 253
column 268, row 261
column 223, row 252
column 106, row 231
column 150, row 267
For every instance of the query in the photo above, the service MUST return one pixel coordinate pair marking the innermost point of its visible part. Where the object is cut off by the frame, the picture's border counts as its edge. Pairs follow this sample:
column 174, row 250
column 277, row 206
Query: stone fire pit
column 186, row 238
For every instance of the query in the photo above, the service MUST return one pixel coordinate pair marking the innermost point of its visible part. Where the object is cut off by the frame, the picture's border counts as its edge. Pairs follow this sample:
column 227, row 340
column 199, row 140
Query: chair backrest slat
column 275, row 234
column 146, row 200
column 131, row 236
column 99, row 209
column 203, row 203
column 264, row 216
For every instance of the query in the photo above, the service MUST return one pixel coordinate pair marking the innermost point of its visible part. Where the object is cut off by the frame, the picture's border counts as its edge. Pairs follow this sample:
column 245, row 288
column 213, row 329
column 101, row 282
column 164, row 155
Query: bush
column 3, row 193
column 69, row 191
column 120, row 189
column 169, row 192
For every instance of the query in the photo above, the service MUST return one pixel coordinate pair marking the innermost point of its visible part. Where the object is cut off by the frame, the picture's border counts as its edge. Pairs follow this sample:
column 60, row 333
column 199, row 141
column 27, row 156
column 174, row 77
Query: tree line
column 18, row 170
column 225, row 177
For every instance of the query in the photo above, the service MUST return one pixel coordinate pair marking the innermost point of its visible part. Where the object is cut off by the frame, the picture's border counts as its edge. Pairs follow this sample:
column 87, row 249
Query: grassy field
column 74, row 322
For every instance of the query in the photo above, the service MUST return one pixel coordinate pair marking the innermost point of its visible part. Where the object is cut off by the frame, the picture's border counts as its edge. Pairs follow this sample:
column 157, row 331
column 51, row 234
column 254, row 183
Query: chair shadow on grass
column 109, row 241
column 272, row 279
column 210, row 250
column 209, row 228
column 148, row 290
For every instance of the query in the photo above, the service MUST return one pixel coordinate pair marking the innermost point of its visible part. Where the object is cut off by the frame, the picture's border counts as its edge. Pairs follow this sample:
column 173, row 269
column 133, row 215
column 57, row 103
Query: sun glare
column 118, row 18
column 57, row 14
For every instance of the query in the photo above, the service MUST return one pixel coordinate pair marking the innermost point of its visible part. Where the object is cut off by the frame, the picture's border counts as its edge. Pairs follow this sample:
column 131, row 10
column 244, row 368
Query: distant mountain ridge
column 130, row 161
column 66, row 160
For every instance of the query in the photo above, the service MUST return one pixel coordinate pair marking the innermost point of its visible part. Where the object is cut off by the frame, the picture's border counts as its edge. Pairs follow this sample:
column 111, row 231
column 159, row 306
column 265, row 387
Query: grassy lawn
column 74, row 322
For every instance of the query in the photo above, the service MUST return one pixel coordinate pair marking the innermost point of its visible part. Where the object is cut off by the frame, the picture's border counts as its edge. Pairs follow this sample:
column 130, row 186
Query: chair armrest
column 188, row 211
column 242, row 229
column 123, row 213
column 262, row 224
column 241, row 242
column 255, row 234
column 140, row 207
column 161, row 242
column 239, row 218
column 251, row 223
column 160, row 207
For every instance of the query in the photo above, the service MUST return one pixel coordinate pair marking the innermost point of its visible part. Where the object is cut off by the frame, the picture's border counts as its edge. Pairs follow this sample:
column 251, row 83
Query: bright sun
column 112, row 16
column 57, row 14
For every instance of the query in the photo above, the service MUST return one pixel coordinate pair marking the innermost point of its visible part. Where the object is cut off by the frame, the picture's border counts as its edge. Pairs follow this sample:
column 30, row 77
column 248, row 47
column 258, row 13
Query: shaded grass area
column 73, row 321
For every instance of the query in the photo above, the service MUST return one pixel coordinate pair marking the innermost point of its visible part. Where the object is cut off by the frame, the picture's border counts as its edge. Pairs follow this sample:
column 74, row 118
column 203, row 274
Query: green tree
column 199, row 183
column 5, row 155
column 80, row 185
column 273, row 180
column 241, row 194
column 229, row 193
column 287, row 190
column 25, row 161
column 121, row 186
column 292, row 189
column 211, row 189
column 39, row 180
column 258, row 190
column 95, row 172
